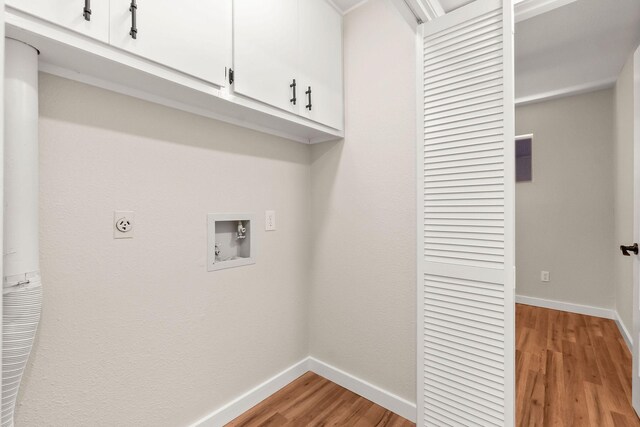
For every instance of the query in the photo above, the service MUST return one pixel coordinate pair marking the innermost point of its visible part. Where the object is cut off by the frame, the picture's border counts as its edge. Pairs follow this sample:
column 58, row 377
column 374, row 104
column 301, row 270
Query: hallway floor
column 572, row 370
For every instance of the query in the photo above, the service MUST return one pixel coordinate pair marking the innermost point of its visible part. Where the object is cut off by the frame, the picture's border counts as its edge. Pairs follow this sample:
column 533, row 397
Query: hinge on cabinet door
column 231, row 76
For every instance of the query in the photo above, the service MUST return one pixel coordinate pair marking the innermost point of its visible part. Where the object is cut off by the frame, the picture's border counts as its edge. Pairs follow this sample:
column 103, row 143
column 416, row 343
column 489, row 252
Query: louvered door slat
column 465, row 221
column 487, row 158
column 485, row 29
column 472, row 82
column 467, row 413
column 436, row 420
column 489, row 134
column 457, row 342
column 476, row 59
column 462, row 330
column 442, row 154
column 460, row 144
column 451, row 383
column 463, row 60
column 449, row 365
column 471, row 94
column 461, row 51
column 472, row 113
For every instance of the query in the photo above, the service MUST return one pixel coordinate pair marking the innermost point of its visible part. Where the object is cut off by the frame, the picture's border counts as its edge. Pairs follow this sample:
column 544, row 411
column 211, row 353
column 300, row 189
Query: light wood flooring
column 312, row 400
column 571, row 370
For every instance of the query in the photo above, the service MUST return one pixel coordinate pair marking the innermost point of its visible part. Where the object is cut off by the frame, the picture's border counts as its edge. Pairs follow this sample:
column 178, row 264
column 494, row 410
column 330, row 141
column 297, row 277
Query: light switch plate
column 270, row 220
column 123, row 224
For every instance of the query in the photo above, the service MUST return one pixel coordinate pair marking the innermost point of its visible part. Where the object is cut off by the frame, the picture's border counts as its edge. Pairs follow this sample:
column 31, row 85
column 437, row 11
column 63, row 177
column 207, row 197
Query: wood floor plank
column 575, row 410
column 312, row 400
column 578, row 375
column 533, row 412
column 274, row 421
column 554, row 389
column 598, row 405
column 357, row 410
column 620, row 420
column 555, row 328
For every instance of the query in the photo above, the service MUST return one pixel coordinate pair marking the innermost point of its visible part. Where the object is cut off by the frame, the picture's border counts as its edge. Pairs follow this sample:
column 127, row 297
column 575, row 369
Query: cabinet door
column 70, row 14
column 191, row 36
column 265, row 37
column 320, row 57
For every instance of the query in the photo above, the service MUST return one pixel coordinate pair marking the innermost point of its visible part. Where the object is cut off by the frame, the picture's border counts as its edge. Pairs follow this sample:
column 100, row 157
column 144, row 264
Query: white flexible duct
column 22, row 290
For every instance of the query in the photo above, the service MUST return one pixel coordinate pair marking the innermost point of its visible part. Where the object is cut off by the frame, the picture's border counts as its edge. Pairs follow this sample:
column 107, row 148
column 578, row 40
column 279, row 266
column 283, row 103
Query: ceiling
column 345, row 5
column 447, row 5
column 575, row 48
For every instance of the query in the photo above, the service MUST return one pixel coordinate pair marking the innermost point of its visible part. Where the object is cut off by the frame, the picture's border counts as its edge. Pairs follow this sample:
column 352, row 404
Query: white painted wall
column 363, row 203
column 136, row 332
column 565, row 217
column 623, row 194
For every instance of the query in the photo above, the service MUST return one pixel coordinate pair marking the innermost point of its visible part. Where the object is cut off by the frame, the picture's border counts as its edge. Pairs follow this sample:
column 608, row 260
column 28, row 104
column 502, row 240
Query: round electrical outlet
column 123, row 225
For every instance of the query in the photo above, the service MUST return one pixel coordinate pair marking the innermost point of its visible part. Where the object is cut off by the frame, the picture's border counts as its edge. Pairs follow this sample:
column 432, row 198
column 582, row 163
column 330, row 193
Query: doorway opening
column 574, row 208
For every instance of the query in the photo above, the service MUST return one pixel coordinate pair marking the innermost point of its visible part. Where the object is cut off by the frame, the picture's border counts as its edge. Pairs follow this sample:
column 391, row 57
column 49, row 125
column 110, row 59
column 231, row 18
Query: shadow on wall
column 99, row 108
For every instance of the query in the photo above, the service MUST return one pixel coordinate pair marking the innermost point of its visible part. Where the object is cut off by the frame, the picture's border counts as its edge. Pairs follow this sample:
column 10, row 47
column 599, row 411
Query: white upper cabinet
column 279, row 41
column 286, row 56
column 191, row 36
column 265, row 46
column 320, row 59
column 70, row 14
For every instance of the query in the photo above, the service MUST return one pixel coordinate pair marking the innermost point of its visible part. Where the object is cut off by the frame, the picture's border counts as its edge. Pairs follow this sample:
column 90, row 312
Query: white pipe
column 22, row 290
column 21, row 159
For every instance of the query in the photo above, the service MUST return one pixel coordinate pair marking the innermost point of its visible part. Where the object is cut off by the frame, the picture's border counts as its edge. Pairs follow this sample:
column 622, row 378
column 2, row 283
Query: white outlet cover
column 270, row 220
column 126, row 216
column 544, row 276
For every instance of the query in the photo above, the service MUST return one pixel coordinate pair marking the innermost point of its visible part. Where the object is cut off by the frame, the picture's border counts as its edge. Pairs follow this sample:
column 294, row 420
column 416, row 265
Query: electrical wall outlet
column 544, row 276
column 270, row 220
column 123, row 224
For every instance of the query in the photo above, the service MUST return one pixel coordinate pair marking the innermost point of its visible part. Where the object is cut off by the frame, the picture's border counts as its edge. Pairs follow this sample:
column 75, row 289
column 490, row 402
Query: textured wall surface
column 565, row 220
column 136, row 332
column 363, row 194
column 623, row 194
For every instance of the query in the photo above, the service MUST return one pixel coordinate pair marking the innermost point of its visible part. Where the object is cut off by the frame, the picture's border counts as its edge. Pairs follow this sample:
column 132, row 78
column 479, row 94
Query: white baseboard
column 567, row 306
column 580, row 309
column 624, row 332
column 387, row 400
column 242, row 404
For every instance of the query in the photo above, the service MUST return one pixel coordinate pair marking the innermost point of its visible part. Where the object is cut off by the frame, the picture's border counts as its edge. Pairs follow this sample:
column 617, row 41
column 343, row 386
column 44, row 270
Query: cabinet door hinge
column 231, row 76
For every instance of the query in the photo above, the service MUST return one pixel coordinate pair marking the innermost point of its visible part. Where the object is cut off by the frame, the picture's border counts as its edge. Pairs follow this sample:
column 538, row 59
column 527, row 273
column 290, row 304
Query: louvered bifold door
column 466, row 219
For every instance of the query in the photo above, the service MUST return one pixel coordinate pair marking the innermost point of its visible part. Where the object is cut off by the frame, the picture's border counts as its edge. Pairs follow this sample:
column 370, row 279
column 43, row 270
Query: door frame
column 2, row 33
column 635, row 338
